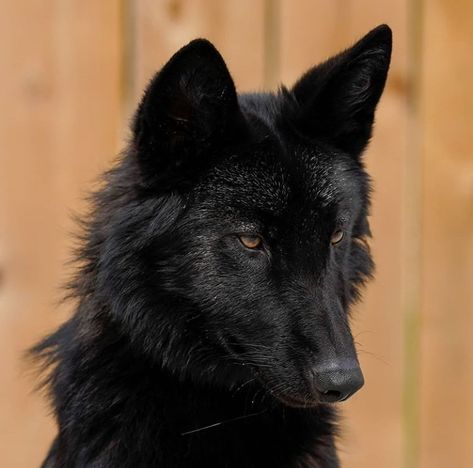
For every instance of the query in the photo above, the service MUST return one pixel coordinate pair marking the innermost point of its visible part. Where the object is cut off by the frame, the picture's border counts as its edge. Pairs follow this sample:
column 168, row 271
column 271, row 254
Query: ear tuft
column 337, row 99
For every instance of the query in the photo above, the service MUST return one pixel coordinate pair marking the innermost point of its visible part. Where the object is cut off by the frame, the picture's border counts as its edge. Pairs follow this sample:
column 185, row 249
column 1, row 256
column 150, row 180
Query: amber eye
column 337, row 236
column 251, row 241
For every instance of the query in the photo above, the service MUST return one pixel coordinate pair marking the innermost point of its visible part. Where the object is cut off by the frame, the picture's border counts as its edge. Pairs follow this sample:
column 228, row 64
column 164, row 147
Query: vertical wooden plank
column 60, row 95
column 447, row 254
column 272, row 46
column 234, row 26
column 310, row 32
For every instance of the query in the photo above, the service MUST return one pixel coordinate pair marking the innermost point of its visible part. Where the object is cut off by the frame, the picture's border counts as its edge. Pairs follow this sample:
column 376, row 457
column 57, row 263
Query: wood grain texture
column 310, row 32
column 447, row 251
column 60, row 96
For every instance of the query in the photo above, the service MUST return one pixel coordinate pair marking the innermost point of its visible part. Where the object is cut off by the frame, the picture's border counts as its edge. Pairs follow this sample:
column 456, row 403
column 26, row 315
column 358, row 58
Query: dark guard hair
column 217, row 270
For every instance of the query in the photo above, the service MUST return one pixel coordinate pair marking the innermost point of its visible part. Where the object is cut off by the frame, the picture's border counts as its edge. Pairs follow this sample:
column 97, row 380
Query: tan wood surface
column 60, row 95
column 446, row 381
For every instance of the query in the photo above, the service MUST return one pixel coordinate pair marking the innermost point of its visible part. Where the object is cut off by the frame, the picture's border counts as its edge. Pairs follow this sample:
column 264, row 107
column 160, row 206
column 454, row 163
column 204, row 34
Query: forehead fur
column 278, row 169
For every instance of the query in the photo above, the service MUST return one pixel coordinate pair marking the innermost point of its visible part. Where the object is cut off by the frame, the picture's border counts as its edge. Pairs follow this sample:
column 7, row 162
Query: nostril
column 332, row 394
column 337, row 383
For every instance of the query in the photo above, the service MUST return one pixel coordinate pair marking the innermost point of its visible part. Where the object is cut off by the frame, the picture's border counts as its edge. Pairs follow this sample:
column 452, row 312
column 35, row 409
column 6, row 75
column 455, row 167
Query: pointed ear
column 336, row 100
column 189, row 106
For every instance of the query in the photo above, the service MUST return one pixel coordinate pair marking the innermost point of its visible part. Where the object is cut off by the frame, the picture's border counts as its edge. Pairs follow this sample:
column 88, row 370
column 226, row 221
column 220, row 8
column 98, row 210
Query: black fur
column 179, row 326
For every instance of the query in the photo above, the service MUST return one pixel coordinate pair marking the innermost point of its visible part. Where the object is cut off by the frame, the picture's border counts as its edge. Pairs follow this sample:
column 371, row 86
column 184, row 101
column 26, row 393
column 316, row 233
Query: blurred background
column 72, row 72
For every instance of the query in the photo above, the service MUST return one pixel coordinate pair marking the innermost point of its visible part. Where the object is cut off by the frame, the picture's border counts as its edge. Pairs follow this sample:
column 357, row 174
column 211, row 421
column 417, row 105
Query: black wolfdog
column 217, row 271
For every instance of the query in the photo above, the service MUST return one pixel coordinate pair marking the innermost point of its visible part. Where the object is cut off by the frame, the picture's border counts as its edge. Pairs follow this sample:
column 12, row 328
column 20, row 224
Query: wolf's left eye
column 337, row 236
column 251, row 241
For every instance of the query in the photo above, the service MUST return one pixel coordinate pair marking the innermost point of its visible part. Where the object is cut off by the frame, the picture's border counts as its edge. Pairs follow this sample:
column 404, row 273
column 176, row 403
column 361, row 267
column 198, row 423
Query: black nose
column 337, row 383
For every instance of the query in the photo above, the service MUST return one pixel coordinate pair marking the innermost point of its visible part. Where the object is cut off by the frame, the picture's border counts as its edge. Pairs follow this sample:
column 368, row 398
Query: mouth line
column 295, row 402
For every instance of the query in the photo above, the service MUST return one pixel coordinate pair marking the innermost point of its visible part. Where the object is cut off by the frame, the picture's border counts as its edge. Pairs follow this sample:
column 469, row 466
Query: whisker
column 375, row 356
column 226, row 421
column 243, row 384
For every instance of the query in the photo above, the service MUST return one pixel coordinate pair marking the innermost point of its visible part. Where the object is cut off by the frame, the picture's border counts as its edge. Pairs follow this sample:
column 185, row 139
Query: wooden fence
column 71, row 71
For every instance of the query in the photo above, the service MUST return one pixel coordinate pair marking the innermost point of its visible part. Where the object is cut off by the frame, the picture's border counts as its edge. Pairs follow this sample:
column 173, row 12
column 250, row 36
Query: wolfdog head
column 230, row 241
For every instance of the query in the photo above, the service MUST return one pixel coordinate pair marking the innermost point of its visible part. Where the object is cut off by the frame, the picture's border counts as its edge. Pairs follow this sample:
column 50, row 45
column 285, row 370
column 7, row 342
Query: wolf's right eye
column 251, row 241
